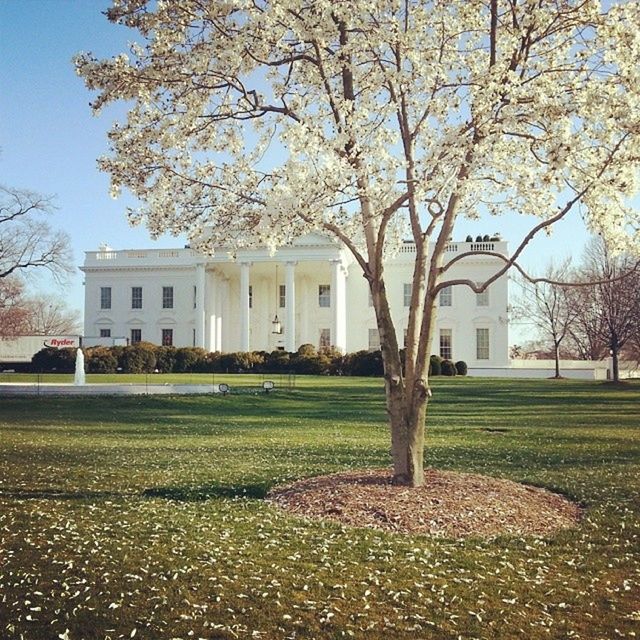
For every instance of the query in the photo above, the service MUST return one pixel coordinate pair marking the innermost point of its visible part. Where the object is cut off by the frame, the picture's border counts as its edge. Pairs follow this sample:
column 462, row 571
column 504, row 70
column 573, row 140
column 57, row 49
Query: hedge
column 145, row 357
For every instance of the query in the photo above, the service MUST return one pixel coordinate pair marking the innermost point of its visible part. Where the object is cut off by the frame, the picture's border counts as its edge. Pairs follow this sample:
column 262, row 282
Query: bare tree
column 608, row 311
column 47, row 314
column 26, row 239
column 13, row 315
column 547, row 305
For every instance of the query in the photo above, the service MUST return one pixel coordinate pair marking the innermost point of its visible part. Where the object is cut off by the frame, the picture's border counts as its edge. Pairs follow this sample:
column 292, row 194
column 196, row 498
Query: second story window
column 445, row 298
column 407, row 294
column 282, row 296
column 167, row 297
column 105, row 297
column 136, row 297
column 324, row 295
column 250, row 297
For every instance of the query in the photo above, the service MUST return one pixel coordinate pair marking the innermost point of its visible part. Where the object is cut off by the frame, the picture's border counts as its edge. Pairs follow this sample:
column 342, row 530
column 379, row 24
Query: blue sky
column 49, row 140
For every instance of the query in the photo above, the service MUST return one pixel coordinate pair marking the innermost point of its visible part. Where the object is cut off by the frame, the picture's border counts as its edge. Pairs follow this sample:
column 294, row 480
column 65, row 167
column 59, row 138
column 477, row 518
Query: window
column 325, row 338
column 136, row 297
column 482, row 299
column 136, row 336
column 194, row 338
column 250, row 297
column 167, row 337
column 167, row 297
column 446, row 297
column 446, row 344
column 407, row 294
column 374, row 339
column 195, row 296
column 324, row 295
column 482, row 344
column 105, row 297
column 105, row 333
column 282, row 296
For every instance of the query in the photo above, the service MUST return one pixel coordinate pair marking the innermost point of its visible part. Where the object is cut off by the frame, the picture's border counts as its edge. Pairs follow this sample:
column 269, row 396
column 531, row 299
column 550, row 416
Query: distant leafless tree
column 548, row 306
column 47, row 314
column 27, row 241
column 13, row 315
column 608, row 311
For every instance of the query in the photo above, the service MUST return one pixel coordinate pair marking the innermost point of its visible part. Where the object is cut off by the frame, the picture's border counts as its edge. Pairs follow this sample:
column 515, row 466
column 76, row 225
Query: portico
column 238, row 300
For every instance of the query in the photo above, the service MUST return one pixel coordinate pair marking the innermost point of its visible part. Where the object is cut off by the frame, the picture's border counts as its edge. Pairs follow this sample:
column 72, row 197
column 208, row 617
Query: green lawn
column 144, row 516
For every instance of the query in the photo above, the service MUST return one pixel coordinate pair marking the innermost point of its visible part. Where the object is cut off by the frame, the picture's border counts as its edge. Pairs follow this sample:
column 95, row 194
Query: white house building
column 310, row 292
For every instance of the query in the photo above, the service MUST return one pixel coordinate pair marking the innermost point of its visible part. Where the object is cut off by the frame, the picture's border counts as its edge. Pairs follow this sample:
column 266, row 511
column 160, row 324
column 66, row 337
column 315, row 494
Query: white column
column 212, row 312
column 244, row 305
column 200, row 298
column 290, row 304
column 222, row 305
column 338, row 306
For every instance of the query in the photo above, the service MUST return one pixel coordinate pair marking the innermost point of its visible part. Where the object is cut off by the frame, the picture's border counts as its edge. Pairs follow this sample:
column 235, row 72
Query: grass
column 144, row 516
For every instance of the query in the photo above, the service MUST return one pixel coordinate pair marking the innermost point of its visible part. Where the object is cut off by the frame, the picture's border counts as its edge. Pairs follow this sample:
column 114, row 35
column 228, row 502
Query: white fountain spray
column 79, row 378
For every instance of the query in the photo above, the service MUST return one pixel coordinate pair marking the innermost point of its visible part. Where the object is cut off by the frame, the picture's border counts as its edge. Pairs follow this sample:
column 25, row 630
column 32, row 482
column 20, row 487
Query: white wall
column 151, row 270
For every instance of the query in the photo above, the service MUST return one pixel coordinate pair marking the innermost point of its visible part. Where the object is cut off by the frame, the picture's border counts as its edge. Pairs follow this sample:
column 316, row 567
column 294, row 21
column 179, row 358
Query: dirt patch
column 450, row 504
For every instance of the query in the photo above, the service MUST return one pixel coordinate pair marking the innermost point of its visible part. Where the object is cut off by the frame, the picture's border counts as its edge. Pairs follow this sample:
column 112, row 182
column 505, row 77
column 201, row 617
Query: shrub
column 187, row 359
column 239, row 361
column 165, row 359
column 307, row 350
column 461, row 368
column 100, row 360
column 138, row 358
column 278, row 361
column 448, row 368
column 364, row 363
column 58, row 360
column 311, row 365
column 435, row 366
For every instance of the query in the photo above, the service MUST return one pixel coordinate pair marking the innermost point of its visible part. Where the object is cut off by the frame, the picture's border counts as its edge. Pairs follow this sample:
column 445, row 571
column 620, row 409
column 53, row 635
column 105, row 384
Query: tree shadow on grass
column 177, row 494
column 201, row 494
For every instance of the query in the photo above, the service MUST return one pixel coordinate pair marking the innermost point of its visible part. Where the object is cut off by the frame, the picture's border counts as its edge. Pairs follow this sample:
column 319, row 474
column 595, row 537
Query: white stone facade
column 315, row 288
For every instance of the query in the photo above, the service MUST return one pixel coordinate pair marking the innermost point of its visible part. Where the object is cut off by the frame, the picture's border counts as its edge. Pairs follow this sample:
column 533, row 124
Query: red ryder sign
column 60, row 342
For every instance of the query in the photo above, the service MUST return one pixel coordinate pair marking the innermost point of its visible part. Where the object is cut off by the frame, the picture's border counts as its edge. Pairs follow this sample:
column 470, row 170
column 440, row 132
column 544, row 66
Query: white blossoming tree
column 254, row 122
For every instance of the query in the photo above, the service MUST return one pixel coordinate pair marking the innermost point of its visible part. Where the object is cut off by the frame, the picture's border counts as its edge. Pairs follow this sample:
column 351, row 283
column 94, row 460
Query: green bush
column 188, row 359
column 435, row 366
column 100, row 360
column 461, row 368
column 311, row 365
column 138, row 358
column 239, row 361
column 364, row 363
column 448, row 368
column 54, row 360
column 278, row 361
column 165, row 359
column 307, row 350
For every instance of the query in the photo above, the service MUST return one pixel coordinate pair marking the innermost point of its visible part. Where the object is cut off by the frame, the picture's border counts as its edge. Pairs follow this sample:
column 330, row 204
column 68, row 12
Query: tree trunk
column 406, row 403
column 557, row 356
column 614, row 360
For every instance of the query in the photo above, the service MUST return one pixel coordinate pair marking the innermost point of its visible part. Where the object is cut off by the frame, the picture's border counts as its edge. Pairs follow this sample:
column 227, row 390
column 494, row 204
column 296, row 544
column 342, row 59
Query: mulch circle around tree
column 449, row 505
